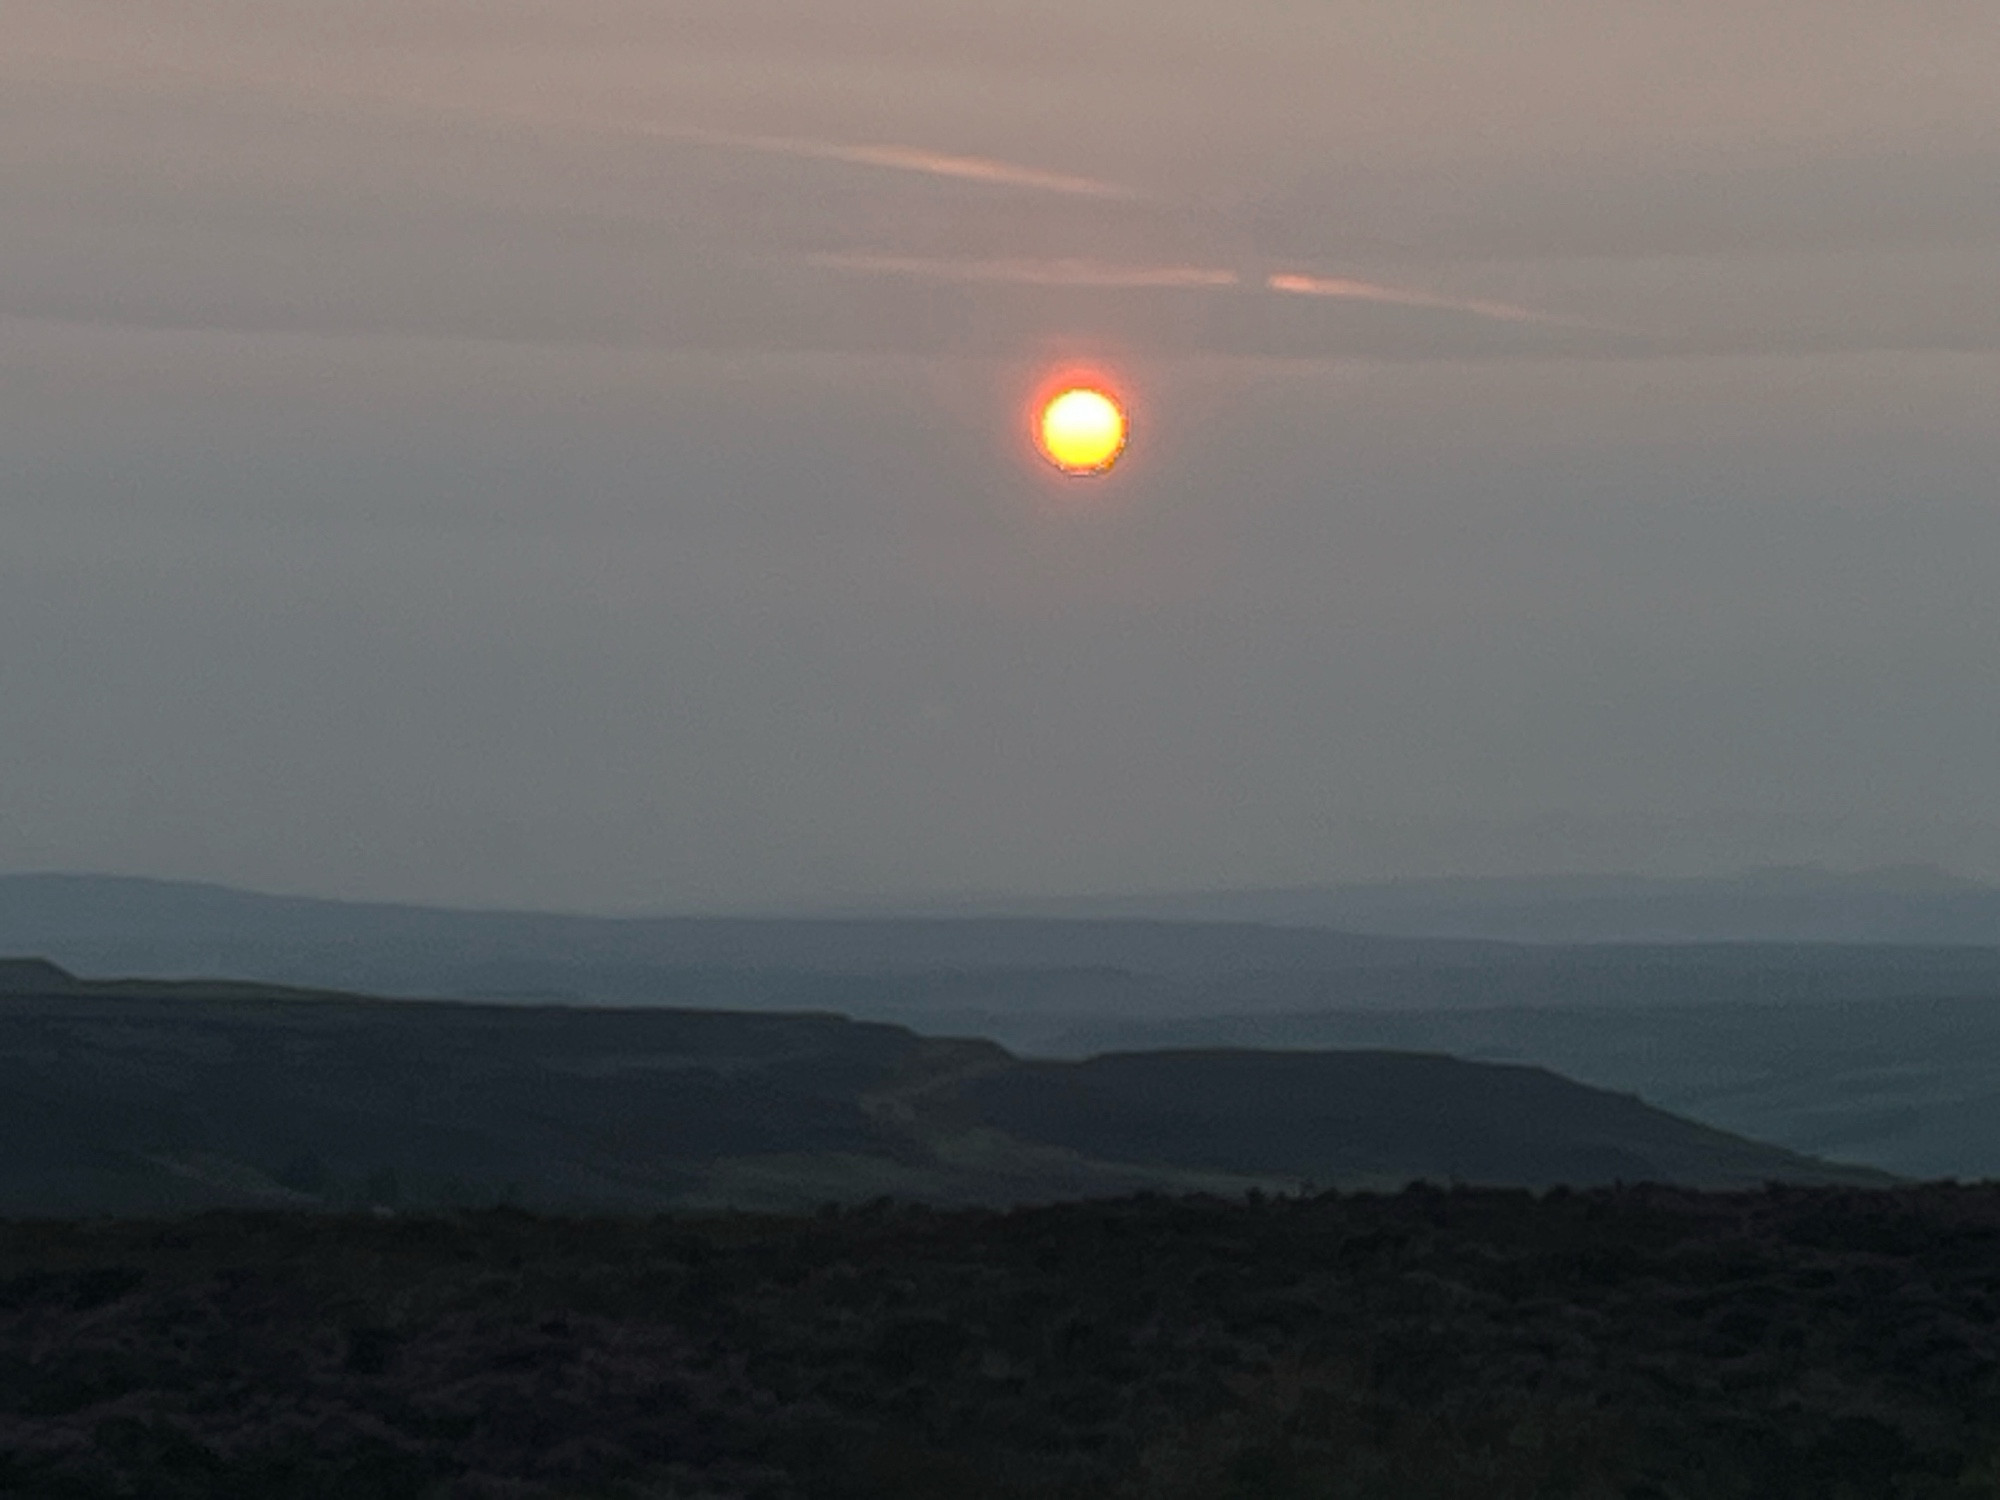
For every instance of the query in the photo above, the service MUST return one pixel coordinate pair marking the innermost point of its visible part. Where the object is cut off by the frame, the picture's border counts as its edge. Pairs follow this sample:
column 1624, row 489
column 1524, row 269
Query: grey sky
column 571, row 454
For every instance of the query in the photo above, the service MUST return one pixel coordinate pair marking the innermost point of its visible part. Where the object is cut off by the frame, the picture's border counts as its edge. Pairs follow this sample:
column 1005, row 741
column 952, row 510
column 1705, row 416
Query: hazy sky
column 573, row 453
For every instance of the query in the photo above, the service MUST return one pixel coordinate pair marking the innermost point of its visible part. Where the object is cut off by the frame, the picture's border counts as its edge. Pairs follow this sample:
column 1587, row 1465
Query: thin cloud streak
column 1367, row 291
column 1076, row 273
column 1089, row 274
column 918, row 159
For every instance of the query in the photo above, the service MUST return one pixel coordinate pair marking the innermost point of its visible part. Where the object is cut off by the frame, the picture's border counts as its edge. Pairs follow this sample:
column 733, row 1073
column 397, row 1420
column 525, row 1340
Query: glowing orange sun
column 1082, row 430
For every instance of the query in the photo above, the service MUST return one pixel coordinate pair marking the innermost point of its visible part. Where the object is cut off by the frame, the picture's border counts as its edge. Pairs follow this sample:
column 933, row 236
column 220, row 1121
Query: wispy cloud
column 901, row 158
column 1110, row 275
column 1077, row 273
column 1354, row 290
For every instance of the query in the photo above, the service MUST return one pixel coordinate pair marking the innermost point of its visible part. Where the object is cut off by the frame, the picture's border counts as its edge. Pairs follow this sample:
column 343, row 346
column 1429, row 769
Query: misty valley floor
column 1635, row 1341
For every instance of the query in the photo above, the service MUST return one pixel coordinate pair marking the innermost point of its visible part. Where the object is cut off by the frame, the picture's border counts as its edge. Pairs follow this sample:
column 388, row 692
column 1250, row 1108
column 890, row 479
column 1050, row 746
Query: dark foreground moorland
column 1635, row 1341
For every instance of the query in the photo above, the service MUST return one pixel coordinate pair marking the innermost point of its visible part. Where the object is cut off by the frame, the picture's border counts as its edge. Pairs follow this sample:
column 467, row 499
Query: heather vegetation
column 1631, row 1342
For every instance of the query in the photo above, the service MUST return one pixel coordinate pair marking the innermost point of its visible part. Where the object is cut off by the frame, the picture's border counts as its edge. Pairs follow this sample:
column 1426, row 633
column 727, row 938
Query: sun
column 1082, row 430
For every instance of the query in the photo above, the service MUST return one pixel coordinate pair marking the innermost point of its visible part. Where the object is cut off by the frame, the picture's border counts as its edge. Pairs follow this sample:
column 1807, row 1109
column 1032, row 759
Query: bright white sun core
column 1082, row 430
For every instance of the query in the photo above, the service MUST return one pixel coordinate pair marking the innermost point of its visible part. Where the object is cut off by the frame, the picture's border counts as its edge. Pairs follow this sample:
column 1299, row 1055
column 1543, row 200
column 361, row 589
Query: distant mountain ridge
column 195, row 924
column 1021, row 978
column 1902, row 904
column 140, row 1097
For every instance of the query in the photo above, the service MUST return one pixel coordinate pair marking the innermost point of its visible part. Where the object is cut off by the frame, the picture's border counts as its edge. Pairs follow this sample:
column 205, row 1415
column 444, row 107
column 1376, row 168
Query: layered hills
column 1875, row 1052
column 140, row 1097
column 1026, row 979
column 1905, row 905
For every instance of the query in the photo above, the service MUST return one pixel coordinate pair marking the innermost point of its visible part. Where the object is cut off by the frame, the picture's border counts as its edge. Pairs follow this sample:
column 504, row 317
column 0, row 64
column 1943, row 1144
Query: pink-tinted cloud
column 902, row 158
column 1367, row 291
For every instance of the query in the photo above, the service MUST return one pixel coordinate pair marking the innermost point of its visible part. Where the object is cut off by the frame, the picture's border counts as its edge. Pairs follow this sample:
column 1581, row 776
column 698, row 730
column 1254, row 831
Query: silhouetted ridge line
column 34, row 976
column 138, row 1097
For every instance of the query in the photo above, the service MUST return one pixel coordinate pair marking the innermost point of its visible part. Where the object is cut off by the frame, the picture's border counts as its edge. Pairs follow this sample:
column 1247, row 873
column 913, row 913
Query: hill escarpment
column 131, row 1097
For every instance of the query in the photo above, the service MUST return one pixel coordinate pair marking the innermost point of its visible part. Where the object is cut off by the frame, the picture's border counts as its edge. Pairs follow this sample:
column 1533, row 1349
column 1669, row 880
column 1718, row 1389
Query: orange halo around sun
column 1082, row 430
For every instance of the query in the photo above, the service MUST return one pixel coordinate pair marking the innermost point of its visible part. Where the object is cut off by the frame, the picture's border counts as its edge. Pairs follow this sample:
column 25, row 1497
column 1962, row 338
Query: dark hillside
column 143, row 1102
column 34, row 976
column 1910, row 1086
column 1343, row 1116
column 135, row 1098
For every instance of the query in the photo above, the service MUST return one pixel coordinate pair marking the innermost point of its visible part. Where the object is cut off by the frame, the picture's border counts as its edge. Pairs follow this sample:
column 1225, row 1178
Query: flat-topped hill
column 1356, row 1116
column 35, row 976
column 133, row 1097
